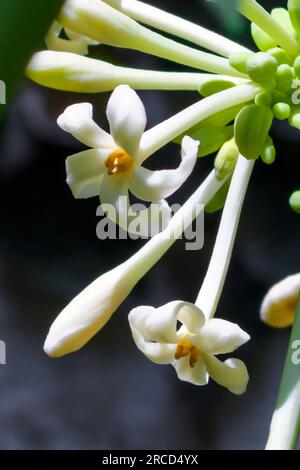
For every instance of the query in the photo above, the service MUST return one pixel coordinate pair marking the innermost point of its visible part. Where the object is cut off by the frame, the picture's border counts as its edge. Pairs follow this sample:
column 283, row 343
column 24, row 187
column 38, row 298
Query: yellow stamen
column 185, row 348
column 118, row 162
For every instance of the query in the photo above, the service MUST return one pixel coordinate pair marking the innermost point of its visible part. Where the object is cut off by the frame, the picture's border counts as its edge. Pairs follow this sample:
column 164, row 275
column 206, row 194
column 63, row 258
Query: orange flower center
column 118, row 162
column 186, row 348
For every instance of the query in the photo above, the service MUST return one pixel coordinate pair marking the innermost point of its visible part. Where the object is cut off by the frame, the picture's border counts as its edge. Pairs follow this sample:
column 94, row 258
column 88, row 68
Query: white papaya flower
column 279, row 305
column 113, row 165
column 74, row 42
column 192, row 348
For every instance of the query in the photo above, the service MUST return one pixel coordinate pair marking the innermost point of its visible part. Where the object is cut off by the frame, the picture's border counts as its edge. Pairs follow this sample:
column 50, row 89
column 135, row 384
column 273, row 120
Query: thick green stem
column 258, row 15
column 285, row 425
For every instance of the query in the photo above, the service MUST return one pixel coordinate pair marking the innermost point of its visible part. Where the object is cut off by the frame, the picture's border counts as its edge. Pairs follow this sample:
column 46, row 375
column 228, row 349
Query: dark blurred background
column 108, row 396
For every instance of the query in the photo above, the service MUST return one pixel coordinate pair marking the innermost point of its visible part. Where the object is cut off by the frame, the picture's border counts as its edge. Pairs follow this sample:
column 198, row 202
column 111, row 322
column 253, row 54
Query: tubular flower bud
column 279, row 305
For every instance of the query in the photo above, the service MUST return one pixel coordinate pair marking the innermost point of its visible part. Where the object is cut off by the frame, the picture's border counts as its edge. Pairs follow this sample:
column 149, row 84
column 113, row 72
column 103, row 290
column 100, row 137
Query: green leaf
column 251, row 129
column 23, row 25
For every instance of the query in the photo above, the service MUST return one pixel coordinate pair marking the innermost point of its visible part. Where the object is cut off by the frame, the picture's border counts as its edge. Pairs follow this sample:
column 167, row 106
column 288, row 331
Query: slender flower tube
column 177, row 26
column 193, row 346
column 165, row 132
column 71, row 72
column 279, row 305
column 256, row 13
column 213, row 284
column 94, row 306
column 101, row 22
column 75, row 43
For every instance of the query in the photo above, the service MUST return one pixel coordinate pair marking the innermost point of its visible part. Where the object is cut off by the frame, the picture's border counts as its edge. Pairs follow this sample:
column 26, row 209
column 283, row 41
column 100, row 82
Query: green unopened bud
column 295, row 201
column 263, row 41
column 211, row 138
column 218, row 201
column 261, row 67
column 226, row 159
column 281, row 111
column 239, row 61
column 294, row 119
column 251, row 129
column 264, row 98
column 280, row 55
column 268, row 153
column 294, row 11
column 284, row 77
column 214, row 86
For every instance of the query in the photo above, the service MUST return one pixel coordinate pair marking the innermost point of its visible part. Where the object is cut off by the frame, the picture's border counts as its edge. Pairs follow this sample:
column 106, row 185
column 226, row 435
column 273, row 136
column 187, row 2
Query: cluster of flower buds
column 243, row 91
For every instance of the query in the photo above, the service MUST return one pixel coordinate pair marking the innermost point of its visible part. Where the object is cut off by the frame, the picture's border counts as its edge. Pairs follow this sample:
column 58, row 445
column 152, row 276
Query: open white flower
column 74, row 42
column 113, row 165
column 192, row 348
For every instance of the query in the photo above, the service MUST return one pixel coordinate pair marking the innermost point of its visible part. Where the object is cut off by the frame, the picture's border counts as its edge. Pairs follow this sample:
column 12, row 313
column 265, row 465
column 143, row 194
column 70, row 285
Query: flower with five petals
column 113, row 165
column 192, row 348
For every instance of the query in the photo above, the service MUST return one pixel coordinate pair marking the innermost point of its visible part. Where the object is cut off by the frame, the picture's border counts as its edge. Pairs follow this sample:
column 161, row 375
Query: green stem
column 285, row 425
column 177, row 26
column 258, row 15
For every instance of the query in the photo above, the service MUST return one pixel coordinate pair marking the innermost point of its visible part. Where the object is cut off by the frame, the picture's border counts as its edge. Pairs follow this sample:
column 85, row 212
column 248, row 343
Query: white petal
column 221, row 336
column 196, row 375
column 127, row 118
column 85, row 171
column 153, row 185
column 89, row 311
column 231, row 374
column 114, row 191
column 77, row 119
column 162, row 323
column 156, row 352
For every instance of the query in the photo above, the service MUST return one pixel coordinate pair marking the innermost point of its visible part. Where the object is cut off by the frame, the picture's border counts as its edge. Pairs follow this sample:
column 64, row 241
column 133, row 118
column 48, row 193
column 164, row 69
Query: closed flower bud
column 278, row 308
column 226, row 159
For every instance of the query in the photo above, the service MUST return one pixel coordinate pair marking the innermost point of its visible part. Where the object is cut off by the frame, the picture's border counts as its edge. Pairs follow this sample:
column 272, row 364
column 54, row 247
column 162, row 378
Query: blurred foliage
column 230, row 19
column 23, row 24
